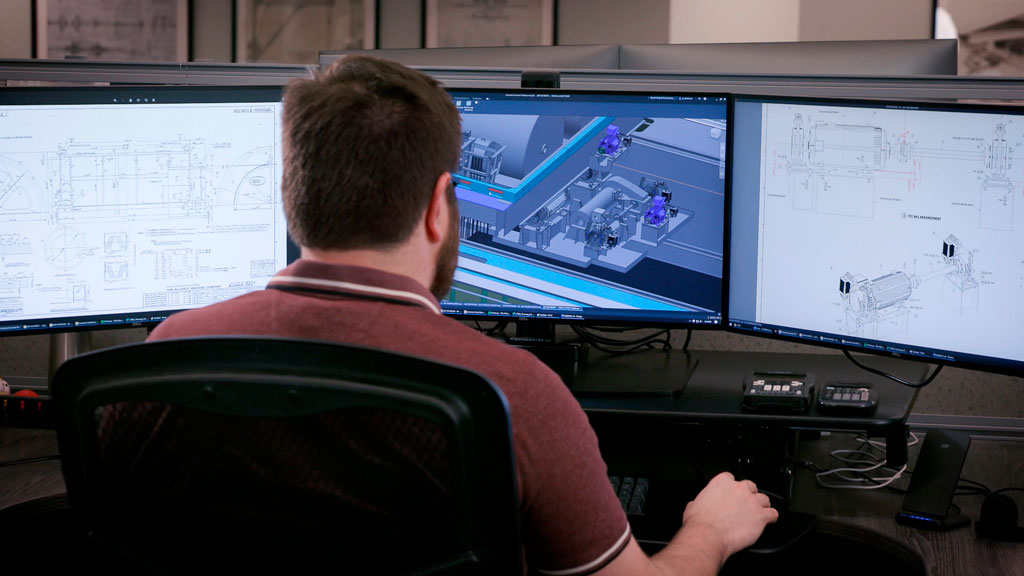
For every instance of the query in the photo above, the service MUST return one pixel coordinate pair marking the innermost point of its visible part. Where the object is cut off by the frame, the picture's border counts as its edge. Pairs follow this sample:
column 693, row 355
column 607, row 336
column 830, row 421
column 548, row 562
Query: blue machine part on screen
column 607, row 209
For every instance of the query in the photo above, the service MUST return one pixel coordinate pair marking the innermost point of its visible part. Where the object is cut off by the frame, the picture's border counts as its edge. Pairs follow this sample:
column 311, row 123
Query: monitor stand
column 641, row 373
column 63, row 346
column 538, row 338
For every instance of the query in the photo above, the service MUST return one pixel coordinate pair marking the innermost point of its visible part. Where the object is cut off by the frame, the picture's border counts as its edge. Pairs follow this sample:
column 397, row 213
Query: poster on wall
column 461, row 23
column 150, row 30
column 295, row 31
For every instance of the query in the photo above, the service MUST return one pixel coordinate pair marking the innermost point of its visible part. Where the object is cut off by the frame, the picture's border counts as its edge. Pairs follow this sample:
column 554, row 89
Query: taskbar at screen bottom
column 895, row 349
column 37, row 326
column 637, row 317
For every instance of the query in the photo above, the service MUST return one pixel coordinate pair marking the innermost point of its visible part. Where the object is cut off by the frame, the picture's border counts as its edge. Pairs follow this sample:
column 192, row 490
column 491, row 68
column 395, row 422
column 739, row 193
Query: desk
column 996, row 462
column 707, row 417
column 714, row 391
column 31, row 480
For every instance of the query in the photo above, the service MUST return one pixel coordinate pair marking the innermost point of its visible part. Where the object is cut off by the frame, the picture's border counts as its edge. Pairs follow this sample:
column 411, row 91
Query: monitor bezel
column 620, row 322
column 989, row 363
column 101, row 94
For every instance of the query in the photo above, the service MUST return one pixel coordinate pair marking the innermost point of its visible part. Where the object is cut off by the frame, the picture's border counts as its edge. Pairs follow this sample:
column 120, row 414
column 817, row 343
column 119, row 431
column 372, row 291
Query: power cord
column 616, row 346
column 859, row 463
column 894, row 377
column 498, row 328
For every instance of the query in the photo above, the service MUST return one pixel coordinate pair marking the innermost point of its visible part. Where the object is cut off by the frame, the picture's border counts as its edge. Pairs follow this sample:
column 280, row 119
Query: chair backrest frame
column 282, row 378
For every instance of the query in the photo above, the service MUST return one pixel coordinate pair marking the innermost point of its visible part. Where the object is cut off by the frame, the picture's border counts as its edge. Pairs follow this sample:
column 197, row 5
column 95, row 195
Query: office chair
column 247, row 454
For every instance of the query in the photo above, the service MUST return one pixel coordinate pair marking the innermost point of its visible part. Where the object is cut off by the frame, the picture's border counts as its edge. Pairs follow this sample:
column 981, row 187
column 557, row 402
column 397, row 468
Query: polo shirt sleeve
column 572, row 521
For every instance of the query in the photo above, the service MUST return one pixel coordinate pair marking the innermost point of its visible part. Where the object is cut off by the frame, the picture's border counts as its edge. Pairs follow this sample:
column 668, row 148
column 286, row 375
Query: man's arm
column 726, row 517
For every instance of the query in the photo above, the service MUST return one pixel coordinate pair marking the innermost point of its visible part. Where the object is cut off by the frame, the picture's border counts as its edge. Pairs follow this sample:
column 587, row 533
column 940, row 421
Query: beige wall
column 211, row 30
column 613, row 22
column 865, row 19
column 16, row 29
column 710, row 21
column 401, row 23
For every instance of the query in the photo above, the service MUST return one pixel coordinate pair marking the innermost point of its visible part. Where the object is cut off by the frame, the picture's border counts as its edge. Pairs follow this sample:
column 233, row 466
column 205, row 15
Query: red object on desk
column 26, row 392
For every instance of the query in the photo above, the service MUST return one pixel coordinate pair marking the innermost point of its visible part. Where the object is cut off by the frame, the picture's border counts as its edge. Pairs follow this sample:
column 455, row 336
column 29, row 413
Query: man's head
column 365, row 145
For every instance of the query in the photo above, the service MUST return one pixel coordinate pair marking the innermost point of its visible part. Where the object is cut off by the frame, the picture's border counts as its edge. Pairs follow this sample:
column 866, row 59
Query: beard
column 448, row 255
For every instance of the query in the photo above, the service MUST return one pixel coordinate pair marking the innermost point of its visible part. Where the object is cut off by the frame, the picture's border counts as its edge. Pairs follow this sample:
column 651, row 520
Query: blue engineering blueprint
column 127, row 209
column 619, row 215
column 894, row 225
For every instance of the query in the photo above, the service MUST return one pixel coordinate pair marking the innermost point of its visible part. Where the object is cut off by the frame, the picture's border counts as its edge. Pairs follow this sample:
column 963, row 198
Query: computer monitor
column 887, row 57
column 590, row 207
column 119, row 206
column 594, row 56
column 894, row 228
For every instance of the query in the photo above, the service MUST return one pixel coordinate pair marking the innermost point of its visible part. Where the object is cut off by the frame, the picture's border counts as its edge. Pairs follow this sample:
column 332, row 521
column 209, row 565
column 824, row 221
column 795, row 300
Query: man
column 368, row 146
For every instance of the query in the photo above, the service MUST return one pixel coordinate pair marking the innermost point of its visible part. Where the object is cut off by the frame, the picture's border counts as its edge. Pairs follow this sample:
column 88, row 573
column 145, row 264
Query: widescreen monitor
column 119, row 206
column 894, row 228
column 875, row 57
column 599, row 207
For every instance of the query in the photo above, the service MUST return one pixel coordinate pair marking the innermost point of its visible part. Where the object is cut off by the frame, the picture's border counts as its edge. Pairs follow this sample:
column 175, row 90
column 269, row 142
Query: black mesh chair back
column 245, row 454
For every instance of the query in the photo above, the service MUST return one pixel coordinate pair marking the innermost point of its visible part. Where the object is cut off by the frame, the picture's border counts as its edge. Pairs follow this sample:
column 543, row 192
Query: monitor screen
column 894, row 228
column 119, row 206
column 587, row 206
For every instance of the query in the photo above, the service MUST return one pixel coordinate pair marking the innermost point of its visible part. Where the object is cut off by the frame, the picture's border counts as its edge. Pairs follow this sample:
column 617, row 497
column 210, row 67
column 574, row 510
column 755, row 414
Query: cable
column 855, row 476
column 686, row 343
column 29, row 460
column 876, row 483
column 614, row 346
column 498, row 328
column 1001, row 490
column 893, row 377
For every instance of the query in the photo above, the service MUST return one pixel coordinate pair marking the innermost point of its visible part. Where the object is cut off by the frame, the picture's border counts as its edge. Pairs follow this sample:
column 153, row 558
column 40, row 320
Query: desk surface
column 960, row 552
column 31, row 480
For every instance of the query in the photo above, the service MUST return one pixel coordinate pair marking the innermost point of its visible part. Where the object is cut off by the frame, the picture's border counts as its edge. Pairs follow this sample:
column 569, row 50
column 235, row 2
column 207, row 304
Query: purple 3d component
column 657, row 213
column 610, row 143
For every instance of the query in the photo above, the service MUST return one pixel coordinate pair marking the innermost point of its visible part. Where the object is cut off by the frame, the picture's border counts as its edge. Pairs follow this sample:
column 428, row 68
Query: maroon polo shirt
column 572, row 522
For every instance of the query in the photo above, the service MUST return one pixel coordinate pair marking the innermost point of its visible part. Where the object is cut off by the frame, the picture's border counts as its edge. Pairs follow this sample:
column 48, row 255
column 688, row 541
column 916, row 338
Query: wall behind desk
column 954, row 392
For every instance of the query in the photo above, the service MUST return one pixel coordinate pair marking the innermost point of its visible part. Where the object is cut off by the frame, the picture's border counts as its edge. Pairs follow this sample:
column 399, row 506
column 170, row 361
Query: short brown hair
column 364, row 143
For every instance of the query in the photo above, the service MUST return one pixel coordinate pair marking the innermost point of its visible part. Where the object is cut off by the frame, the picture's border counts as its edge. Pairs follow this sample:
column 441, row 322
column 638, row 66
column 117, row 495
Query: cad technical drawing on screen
column 128, row 204
column 895, row 229
column 583, row 206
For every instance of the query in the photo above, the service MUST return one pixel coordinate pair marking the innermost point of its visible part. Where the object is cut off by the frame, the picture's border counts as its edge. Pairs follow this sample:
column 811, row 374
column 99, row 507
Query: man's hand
column 734, row 512
column 726, row 517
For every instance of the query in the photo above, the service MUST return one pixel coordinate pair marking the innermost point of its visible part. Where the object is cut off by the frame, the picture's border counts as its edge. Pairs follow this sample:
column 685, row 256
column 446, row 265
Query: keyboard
column 632, row 492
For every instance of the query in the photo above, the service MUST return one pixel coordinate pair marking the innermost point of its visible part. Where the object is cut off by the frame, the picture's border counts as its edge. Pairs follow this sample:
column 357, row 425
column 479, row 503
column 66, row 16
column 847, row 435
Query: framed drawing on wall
column 458, row 23
column 295, row 31
column 151, row 30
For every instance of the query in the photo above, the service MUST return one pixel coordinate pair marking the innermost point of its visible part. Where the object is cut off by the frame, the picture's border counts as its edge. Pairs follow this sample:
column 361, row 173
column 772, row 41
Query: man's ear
column 436, row 224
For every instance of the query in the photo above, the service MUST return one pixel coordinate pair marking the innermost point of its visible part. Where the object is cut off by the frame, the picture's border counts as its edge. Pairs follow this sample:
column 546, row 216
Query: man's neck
column 401, row 260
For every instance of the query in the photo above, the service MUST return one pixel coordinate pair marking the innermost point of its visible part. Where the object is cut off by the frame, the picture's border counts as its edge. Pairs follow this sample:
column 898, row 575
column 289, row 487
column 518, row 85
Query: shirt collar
column 343, row 279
